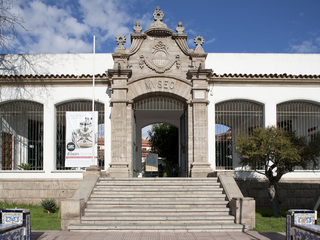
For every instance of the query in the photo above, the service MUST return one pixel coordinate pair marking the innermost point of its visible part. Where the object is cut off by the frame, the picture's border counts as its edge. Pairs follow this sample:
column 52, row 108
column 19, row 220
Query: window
column 231, row 118
column 81, row 105
column 21, row 139
column 300, row 117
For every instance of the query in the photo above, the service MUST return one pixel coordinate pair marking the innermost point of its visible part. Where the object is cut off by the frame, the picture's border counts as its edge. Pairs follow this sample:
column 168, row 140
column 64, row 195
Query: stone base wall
column 293, row 194
column 32, row 191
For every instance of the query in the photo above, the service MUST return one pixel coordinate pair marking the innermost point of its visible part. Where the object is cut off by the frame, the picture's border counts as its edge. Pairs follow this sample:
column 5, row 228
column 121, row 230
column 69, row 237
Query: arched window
column 233, row 117
column 301, row 117
column 21, row 139
column 81, row 105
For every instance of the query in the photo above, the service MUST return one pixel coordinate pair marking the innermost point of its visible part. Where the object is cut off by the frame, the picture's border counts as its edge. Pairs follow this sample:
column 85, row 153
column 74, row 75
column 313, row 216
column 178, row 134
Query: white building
column 208, row 97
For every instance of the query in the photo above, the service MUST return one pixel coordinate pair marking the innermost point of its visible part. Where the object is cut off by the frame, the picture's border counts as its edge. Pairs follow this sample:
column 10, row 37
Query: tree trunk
column 274, row 197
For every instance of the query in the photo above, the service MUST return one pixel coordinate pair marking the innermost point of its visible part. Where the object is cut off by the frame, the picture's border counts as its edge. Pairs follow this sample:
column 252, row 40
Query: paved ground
column 59, row 235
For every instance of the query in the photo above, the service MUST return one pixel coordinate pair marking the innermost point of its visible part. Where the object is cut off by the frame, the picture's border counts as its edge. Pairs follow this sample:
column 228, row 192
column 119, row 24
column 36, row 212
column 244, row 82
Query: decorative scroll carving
column 136, row 44
column 152, row 66
column 182, row 43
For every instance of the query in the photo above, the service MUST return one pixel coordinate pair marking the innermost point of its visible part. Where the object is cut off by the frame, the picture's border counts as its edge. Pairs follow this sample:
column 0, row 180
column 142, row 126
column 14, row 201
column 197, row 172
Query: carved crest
column 160, row 55
column 160, row 60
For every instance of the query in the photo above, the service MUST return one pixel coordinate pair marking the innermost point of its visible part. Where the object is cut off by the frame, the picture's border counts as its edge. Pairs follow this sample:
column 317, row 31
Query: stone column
column 120, row 161
column 200, row 166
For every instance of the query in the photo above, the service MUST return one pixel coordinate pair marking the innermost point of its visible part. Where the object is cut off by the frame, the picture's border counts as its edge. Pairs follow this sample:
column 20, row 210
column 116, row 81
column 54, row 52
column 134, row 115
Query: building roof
column 222, row 64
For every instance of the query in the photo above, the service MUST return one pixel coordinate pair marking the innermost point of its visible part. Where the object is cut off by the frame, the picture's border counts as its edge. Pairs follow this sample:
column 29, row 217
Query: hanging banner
column 79, row 128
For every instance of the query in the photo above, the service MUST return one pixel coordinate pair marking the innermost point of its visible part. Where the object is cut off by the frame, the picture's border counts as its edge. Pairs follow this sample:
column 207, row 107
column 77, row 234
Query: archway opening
column 163, row 141
column 155, row 111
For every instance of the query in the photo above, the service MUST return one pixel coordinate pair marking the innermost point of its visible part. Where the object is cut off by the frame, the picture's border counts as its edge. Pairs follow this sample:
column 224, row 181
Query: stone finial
column 158, row 14
column 180, row 29
column 121, row 40
column 137, row 28
column 198, row 40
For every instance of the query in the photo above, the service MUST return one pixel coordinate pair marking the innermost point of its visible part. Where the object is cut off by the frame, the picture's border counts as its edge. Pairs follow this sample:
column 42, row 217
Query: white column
column 107, row 136
column 211, row 135
column 49, row 140
column 270, row 114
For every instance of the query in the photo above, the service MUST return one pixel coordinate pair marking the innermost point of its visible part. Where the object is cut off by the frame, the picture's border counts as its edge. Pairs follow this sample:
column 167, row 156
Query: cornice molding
column 265, row 79
column 68, row 79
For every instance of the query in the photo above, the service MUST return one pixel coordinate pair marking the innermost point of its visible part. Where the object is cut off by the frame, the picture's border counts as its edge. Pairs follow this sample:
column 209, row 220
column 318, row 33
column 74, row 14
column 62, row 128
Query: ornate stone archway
column 159, row 61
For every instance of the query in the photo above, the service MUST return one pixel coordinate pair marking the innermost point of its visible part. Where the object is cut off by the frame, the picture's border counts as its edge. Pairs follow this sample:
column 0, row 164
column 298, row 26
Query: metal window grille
column 300, row 117
column 81, row 105
column 21, row 139
column 159, row 103
column 231, row 118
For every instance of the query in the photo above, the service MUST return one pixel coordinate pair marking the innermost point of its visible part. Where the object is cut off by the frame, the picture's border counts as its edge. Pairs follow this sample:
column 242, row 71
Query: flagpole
column 93, row 97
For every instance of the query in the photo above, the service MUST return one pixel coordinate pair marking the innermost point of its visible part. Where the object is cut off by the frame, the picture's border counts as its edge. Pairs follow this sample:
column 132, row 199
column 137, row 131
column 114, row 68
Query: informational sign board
column 152, row 162
column 79, row 138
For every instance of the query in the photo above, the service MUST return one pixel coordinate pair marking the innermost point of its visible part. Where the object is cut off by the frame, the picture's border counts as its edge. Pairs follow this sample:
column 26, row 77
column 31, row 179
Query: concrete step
column 155, row 197
column 144, row 180
column 155, row 217
column 158, row 228
column 156, row 211
column 157, row 222
column 154, row 204
column 155, row 190
column 161, row 184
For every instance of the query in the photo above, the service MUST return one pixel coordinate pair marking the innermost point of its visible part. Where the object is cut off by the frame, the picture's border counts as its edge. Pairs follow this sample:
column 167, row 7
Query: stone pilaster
column 120, row 161
column 200, row 166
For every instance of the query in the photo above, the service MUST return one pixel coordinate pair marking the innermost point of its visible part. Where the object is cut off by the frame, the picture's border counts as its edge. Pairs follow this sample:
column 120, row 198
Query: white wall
column 268, row 96
column 50, row 97
column 264, row 63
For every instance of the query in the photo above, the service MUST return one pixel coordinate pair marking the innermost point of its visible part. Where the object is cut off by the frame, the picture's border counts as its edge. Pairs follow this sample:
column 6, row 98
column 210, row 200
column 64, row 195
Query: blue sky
column 246, row 26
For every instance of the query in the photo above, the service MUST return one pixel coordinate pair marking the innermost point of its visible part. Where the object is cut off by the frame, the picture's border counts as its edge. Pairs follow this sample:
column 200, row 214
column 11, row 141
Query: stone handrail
column 72, row 209
column 242, row 208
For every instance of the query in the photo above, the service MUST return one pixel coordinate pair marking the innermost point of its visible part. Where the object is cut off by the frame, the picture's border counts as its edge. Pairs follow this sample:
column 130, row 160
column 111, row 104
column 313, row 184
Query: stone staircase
column 157, row 204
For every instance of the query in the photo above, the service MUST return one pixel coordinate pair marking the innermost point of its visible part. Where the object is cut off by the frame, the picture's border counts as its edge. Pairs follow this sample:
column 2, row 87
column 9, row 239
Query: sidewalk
column 61, row 235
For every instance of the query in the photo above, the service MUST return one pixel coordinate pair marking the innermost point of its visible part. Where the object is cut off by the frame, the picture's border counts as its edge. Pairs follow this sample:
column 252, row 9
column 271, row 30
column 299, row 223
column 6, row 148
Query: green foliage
column 25, row 166
column 39, row 219
column 275, row 150
column 49, row 205
column 265, row 222
column 164, row 139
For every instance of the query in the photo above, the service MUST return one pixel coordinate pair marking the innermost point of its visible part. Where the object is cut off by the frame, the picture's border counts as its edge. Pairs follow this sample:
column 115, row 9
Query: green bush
column 49, row 205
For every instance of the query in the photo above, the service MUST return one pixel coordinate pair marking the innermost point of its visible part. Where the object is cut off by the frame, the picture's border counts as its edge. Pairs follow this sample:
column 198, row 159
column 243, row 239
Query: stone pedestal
column 92, row 170
column 119, row 170
column 200, row 169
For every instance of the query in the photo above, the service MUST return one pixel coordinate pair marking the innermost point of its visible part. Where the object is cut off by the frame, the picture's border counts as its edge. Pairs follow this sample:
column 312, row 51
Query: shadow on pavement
column 36, row 235
column 266, row 235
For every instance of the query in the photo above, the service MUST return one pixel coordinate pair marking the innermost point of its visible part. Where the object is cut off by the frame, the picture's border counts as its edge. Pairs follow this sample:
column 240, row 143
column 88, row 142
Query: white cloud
column 59, row 28
column 307, row 46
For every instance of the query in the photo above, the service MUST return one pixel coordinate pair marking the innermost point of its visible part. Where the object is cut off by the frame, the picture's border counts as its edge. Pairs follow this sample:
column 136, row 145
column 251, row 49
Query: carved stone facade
column 159, row 63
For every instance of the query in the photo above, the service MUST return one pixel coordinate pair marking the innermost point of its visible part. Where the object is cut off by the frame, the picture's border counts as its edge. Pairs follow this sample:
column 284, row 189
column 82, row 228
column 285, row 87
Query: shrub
column 49, row 205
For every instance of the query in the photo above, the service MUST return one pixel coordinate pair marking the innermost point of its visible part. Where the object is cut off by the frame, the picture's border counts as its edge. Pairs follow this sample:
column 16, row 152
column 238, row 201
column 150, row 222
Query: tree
column 277, row 152
column 8, row 22
column 165, row 142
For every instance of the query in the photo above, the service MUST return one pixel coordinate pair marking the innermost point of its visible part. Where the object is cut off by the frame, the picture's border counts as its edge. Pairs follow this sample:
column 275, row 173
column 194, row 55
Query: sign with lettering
column 152, row 162
column 80, row 138
column 159, row 84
